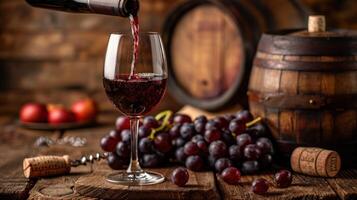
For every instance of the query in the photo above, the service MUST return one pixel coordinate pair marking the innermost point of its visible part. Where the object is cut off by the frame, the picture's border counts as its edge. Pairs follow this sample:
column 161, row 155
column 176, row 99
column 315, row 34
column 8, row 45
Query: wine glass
column 135, row 91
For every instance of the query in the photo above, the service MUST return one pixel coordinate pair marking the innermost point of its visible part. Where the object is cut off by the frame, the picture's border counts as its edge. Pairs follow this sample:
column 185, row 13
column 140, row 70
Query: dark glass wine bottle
column 122, row 8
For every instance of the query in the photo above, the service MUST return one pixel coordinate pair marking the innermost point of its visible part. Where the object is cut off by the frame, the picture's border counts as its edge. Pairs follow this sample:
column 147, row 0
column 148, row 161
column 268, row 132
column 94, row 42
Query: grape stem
column 165, row 117
column 251, row 123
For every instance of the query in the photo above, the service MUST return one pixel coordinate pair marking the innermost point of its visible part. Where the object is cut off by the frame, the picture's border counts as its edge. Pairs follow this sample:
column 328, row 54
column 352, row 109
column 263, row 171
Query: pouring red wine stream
column 134, row 24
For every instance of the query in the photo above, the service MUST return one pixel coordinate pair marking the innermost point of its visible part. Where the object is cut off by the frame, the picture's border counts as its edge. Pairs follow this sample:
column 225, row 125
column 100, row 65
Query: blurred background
column 50, row 56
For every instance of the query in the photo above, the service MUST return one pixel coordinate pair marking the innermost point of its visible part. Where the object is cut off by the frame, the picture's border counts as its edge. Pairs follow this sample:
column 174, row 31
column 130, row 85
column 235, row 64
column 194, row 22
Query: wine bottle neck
column 108, row 7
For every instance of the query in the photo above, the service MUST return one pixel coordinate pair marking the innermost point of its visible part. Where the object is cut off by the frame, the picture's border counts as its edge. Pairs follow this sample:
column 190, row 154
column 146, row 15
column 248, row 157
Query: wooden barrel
column 210, row 46
column 305, row 85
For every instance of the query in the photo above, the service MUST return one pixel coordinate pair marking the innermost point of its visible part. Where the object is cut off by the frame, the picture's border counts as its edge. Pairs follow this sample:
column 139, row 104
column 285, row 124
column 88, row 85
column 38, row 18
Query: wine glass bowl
column 135, row 80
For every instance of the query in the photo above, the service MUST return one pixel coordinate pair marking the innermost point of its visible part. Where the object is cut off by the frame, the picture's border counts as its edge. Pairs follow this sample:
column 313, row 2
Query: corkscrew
column 43, row 166
column 84, row 160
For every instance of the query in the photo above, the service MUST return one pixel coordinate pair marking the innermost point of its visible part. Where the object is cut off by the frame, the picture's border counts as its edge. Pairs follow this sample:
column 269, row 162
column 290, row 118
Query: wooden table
column 17, row 143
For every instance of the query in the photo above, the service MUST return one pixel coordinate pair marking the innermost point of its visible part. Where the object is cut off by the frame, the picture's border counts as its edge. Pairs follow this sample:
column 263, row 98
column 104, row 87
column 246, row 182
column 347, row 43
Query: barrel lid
column 314, row 41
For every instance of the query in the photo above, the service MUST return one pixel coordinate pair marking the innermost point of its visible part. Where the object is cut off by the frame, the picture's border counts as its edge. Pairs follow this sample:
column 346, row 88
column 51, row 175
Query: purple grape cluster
column 229, row 141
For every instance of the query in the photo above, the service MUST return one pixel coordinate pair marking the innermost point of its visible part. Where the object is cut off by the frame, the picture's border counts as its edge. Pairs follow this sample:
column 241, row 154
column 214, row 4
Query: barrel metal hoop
column 305, row 66
column 276, row 43
column 285, row 101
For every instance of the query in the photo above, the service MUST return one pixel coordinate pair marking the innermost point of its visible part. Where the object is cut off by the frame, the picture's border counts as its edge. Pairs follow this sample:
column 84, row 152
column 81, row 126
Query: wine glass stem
column 134, row 166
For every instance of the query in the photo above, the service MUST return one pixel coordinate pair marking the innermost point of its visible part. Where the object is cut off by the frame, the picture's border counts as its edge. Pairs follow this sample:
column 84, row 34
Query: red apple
column 84, row 110
column 33, row 112
column 60, row 115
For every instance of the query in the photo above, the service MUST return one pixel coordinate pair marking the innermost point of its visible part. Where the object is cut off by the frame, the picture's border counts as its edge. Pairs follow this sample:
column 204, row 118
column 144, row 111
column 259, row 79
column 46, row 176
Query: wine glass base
column 138, row 178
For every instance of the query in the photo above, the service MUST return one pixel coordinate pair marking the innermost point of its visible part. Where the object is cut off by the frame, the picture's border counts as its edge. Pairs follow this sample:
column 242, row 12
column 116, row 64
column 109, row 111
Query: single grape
column 150, row 122
column 175, row 131
column 194, row 163
column 200, row 123
column 283, row 178
column 266, row 161
column 191, row 148
column 179, row 142
column 125, row 136
column 250, row 167
column 217, row 149
column 197, row 138
column 201, row 119
column 227, row 137
column 182, row 118
column 252, row 133
column 180, row 176
column 163, row 142
column 150, row 160
column 180, row 155
column 115, row 162
column 237, row 127
column 122, row 123
column 123, row 150
column 202, row 147
column 258, row 130
column 252, row 152
column 115, row 134
column 108, row 143
column 231, row 175
column 265, row 145
column 143, row 131
column 235, row 153
column 187, row 131
column 243, row 140
column 244, row 116
column 210, row 125
column 260, row 186
column 200, row 127
column 212, row 135
column 222, row 164
column 146, row 145
column 222, row 122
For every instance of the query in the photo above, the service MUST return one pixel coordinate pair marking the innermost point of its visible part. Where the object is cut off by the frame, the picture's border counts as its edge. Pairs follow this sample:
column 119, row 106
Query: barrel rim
column 176, row 90
column 278, row 42
column 286, row 32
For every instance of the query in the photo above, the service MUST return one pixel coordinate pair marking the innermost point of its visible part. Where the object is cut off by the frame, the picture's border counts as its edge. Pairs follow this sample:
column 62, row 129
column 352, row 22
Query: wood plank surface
column 200, row 186
column 13, row 184
column 63, row 186
column 303, row 187
column 15, row 145
column 345, row 184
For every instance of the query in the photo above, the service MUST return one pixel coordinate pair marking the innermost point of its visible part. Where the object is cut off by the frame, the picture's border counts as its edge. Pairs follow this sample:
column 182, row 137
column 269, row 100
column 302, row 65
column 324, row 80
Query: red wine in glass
column 137, row 95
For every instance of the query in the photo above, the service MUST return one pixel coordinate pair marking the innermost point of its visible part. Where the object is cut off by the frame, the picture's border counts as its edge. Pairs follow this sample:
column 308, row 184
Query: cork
column 315, row 161
column 316, row 24
column 43, row 166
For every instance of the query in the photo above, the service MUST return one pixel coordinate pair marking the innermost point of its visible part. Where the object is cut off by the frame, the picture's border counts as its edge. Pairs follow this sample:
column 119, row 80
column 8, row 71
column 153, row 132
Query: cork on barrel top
column 317, row 23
